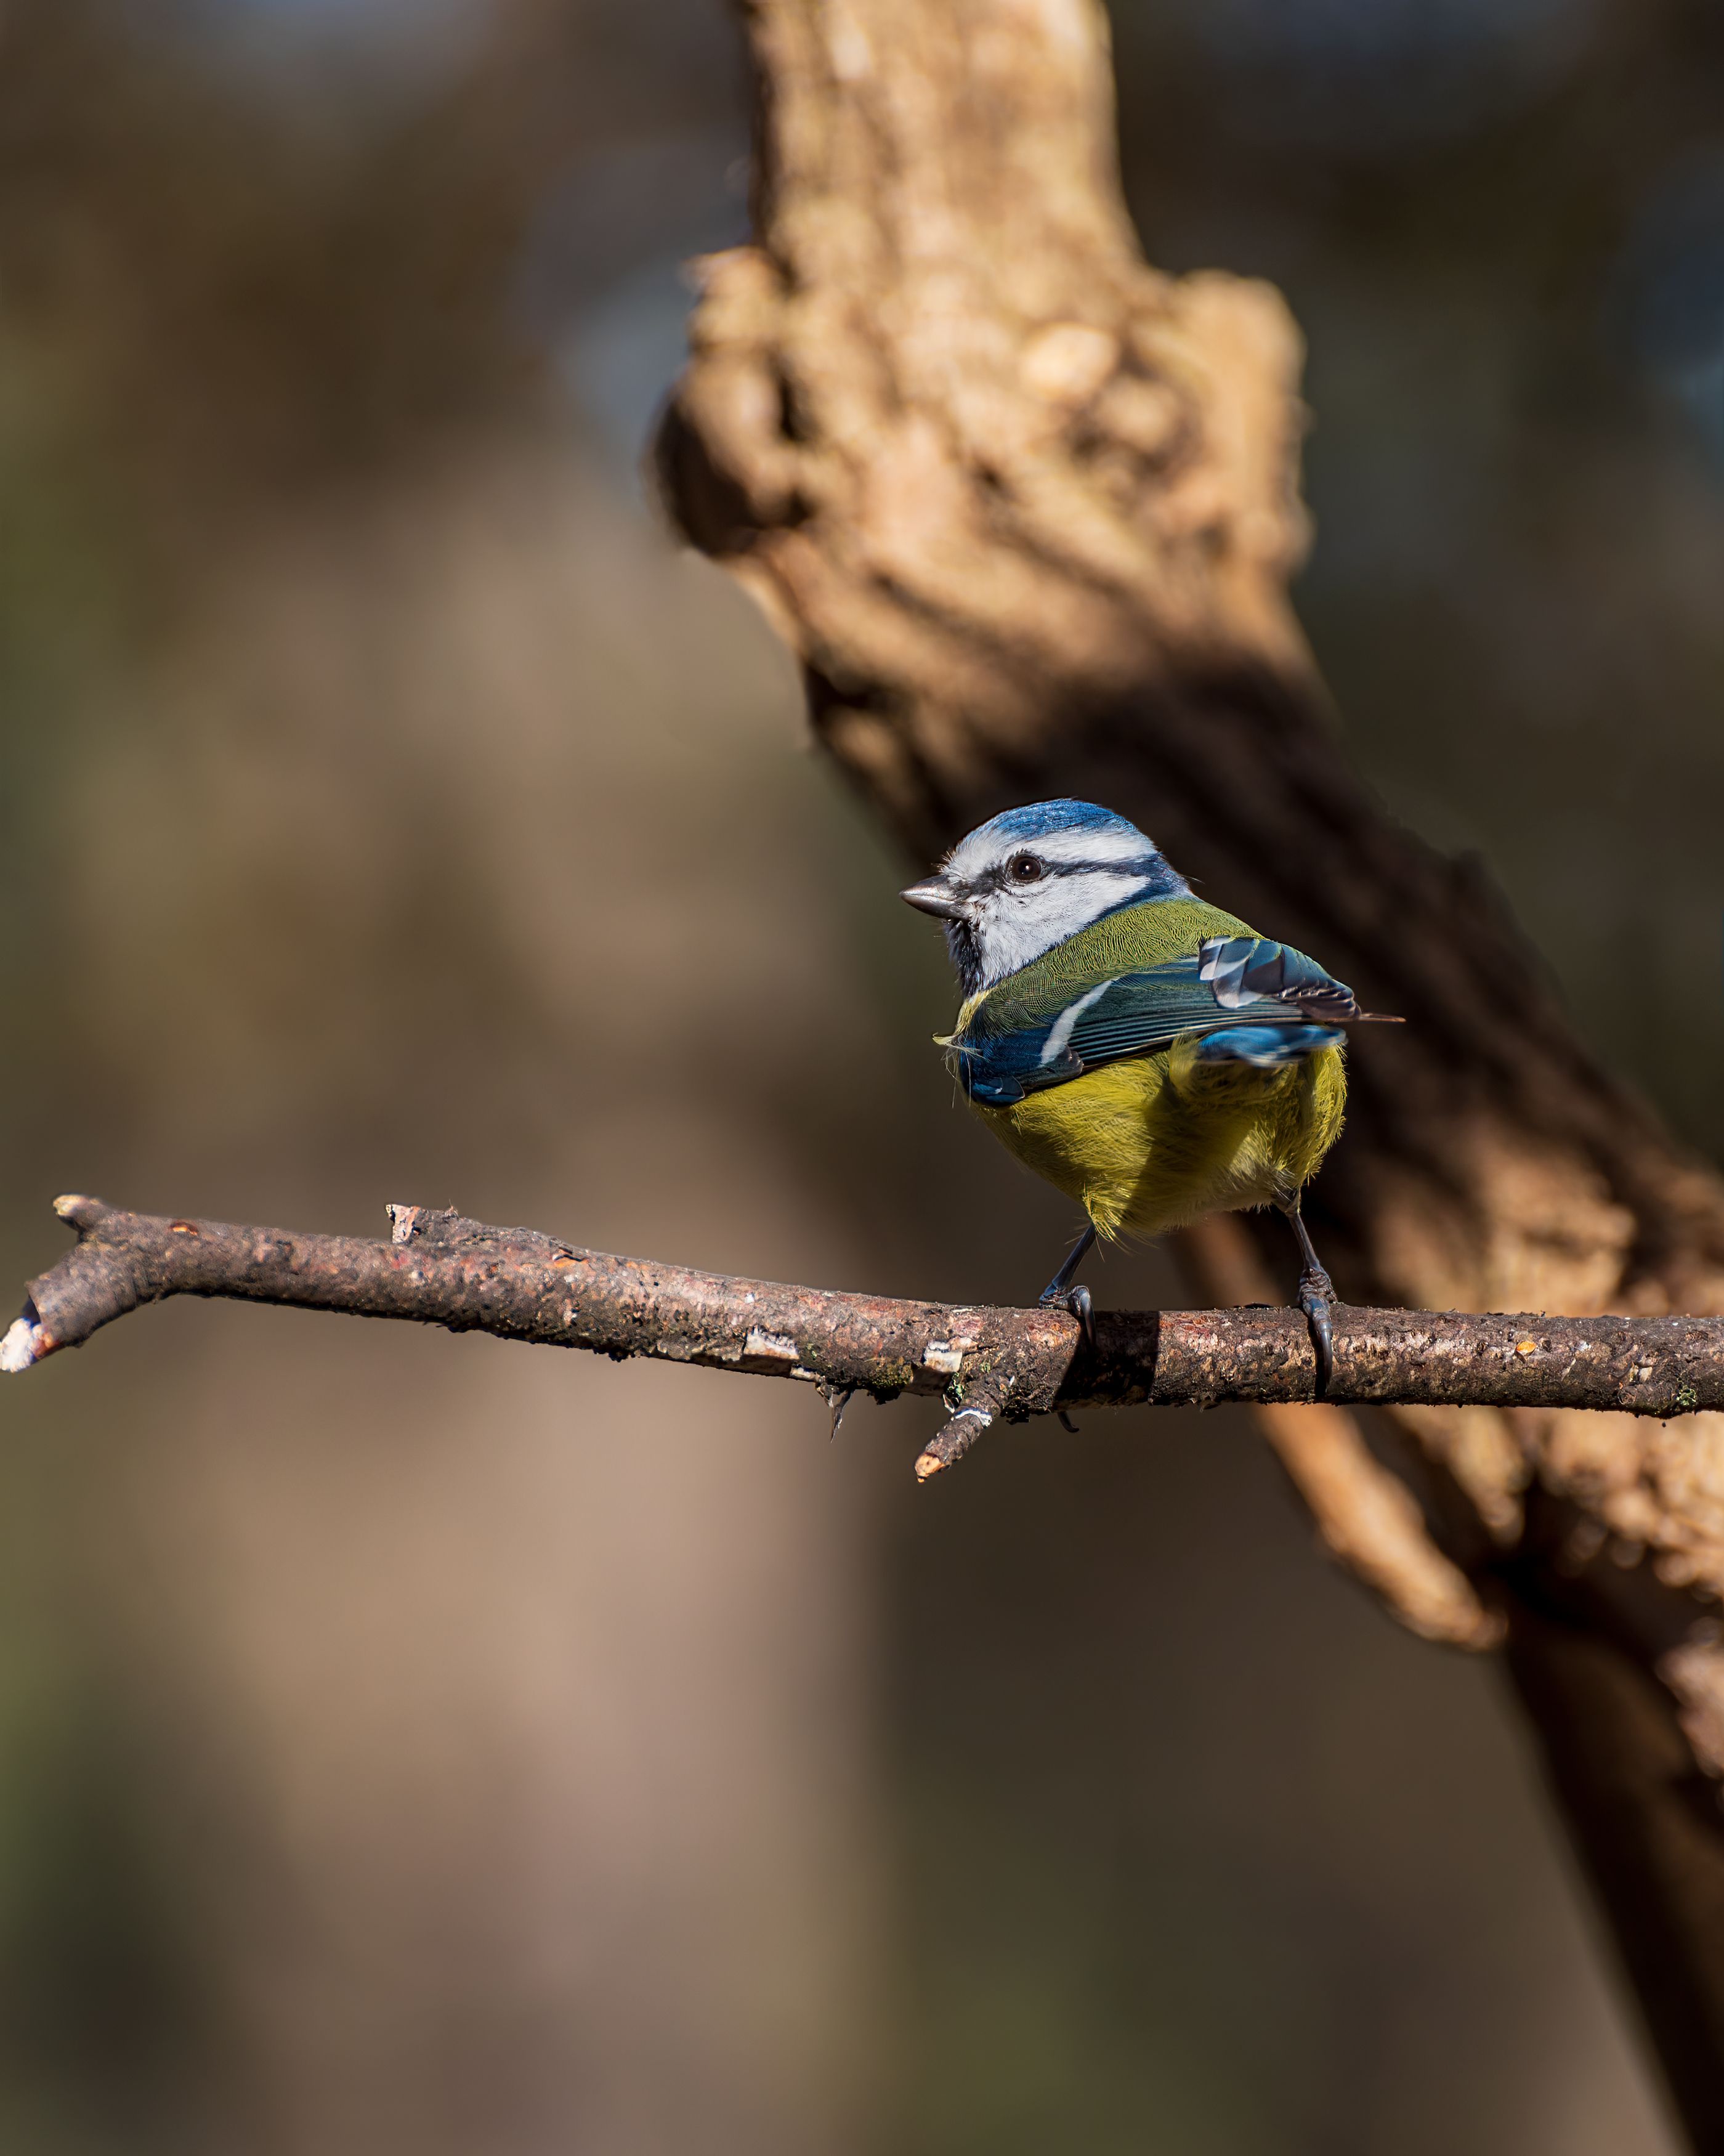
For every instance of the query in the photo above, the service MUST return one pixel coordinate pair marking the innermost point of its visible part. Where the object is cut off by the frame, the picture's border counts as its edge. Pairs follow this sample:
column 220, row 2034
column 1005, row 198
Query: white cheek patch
column 1016, row 926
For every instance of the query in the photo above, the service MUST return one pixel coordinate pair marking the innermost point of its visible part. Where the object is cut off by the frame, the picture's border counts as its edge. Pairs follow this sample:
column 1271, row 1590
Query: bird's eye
column 1025, row 867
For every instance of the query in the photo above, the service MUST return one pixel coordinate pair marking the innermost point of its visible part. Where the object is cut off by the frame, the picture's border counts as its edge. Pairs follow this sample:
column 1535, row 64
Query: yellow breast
column 1158, row 1141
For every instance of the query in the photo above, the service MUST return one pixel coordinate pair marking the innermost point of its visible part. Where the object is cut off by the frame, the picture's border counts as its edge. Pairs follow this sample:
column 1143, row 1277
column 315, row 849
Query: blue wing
column 1244, row 970
column 1251, row 1001
column 1268, row 1047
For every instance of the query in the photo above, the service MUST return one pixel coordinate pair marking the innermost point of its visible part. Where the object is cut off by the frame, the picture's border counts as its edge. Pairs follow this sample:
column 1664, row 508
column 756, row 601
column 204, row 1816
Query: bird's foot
column 1317, row 1299
column 1076, row 1299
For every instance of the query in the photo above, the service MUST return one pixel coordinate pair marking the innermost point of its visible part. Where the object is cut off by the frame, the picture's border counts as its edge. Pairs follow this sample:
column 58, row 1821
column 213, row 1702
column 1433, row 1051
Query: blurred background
column 410, row 1743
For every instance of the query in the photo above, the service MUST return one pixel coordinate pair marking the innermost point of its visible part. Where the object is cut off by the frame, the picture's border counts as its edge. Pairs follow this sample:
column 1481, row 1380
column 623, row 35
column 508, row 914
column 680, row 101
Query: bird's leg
column 1316, row 1296
column 1060, row 1291
column 1057, row 1288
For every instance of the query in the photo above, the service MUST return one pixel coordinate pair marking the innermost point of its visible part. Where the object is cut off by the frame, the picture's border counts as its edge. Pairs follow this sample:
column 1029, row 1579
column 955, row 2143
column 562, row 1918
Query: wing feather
column 1140, row 1013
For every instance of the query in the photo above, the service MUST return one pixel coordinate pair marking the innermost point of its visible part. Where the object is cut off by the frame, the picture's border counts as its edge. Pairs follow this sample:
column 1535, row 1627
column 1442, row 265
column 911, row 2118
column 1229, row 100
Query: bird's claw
column 1317, row 1299
column 1077, row 1300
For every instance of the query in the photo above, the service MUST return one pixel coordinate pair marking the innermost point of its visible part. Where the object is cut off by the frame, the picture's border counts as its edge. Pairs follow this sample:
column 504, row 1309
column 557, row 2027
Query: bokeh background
column 418, row 1744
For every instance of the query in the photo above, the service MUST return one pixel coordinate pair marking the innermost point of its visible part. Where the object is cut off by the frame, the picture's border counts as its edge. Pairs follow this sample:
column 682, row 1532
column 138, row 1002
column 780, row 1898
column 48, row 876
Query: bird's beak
column 935, row 895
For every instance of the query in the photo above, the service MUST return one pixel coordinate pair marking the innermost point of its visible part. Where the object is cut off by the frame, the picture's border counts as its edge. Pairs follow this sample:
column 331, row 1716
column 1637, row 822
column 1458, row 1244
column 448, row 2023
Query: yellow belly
column 1158, row 1141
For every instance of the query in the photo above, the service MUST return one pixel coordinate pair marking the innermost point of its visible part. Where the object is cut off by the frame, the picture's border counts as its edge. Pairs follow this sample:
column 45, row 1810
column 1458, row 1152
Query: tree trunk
column 1025, row 509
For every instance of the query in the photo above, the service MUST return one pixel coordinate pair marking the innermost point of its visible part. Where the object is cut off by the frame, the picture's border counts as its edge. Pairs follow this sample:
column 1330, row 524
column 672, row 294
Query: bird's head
column 1026, row 881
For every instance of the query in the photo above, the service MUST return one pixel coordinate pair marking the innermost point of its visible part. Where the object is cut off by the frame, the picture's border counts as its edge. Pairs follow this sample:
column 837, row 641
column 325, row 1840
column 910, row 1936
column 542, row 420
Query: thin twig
column 440, row 1269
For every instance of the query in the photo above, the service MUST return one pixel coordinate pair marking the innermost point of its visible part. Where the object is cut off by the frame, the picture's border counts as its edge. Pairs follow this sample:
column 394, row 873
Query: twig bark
column 438, row 1268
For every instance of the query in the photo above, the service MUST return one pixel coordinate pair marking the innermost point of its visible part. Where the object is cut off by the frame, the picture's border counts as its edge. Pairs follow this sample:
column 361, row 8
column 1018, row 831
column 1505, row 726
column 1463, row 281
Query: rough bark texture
column 1025, row 509
column 438, row 1268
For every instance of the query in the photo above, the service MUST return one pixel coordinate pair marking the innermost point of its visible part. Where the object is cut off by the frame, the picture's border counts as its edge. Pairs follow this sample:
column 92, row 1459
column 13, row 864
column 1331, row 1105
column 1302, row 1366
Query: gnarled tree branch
column 440, row 1269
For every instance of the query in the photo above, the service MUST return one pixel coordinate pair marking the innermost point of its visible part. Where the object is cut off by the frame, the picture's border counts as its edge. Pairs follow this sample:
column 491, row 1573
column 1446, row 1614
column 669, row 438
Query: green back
column 1129, row 942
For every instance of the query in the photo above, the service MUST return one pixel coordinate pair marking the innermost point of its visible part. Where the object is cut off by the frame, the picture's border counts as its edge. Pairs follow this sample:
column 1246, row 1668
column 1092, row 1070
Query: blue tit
column 1151, row 1055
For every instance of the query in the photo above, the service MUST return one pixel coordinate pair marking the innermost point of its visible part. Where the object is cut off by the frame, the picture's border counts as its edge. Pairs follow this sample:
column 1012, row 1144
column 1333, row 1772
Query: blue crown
column 1042, row 818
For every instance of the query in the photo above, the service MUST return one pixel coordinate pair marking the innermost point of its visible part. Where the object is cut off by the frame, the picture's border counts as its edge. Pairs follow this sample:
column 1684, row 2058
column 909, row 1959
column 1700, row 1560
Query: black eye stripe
column 1146, row 864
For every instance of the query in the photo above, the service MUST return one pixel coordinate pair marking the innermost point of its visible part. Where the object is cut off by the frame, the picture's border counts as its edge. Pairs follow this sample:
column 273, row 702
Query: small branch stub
column 952, row 1443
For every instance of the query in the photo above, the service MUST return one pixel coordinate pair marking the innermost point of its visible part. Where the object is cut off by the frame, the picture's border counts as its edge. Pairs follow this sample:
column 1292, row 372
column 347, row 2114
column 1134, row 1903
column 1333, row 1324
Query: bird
column 1151, row 1055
